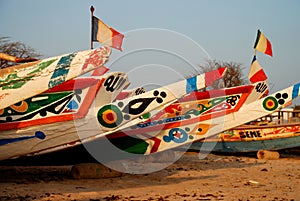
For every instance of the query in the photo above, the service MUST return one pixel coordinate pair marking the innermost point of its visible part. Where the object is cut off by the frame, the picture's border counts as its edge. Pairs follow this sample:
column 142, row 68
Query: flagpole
column 92, row 27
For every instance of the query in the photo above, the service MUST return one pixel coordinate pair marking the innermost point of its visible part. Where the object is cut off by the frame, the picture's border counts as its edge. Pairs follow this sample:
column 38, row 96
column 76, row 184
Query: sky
column 175, row 35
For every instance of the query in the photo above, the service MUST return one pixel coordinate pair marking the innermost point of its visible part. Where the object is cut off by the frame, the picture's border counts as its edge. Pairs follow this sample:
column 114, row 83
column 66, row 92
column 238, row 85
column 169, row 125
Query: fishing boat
column 201, row 119
column 280, row 130
column 74, row 110
column 196, row 107
column 23, row 81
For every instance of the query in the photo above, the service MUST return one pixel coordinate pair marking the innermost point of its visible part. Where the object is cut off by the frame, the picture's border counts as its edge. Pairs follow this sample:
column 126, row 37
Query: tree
column 233, row 76
column 16, row 49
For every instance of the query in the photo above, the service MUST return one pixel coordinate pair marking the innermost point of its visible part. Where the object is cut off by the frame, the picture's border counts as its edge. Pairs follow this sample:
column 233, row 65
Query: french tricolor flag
column 106, row 35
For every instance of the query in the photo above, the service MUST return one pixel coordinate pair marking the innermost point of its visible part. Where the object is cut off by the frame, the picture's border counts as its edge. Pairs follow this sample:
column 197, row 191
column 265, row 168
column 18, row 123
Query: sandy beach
column 216, row 177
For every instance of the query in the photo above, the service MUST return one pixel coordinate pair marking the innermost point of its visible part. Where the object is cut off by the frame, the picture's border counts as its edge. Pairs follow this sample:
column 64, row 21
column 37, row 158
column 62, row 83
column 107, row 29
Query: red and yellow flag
column 262, row 44
column 104, row 34
column 256, row 73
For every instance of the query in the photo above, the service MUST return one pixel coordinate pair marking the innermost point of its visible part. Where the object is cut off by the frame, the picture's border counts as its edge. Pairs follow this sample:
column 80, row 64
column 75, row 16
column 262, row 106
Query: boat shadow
column 186, row 167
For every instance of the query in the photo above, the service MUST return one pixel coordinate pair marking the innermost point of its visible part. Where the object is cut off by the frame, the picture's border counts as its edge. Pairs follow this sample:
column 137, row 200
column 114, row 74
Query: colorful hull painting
column 47, row 119
column 198, row 106
column 21, row 136
column 125, row 113
column 194, row 129
column 274, row 135
column 23, row 81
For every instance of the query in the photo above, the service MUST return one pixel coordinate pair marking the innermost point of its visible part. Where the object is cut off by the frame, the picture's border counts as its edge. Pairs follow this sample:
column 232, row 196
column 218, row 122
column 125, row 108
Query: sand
column 216, row 177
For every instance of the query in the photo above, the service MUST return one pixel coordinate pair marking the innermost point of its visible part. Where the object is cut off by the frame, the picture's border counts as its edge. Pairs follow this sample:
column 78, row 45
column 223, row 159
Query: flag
column 104, row 34
column 262, row 44
column 256, row 73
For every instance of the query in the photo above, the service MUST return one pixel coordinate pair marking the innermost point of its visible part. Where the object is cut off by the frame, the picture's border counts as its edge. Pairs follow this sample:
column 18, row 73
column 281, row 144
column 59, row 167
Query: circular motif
column 126, row 117
column 232, row 100
column 270, row 103
column 281, row 101
column 163, row 94
column 177, row 135
column 285, row 95
column 278, row 95
column 120, row 104
column 109, row 116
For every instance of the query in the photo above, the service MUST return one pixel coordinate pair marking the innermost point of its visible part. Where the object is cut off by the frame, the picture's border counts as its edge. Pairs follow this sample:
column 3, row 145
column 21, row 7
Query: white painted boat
column 82, row 110
column 211, row 116
column 23, row 81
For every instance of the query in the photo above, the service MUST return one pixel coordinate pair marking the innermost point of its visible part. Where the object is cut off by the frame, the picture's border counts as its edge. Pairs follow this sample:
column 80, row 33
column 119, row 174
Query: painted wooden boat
column 42, row 121
column 212, row 120
column 281, row 130
column 82, row 109
column 23, row 81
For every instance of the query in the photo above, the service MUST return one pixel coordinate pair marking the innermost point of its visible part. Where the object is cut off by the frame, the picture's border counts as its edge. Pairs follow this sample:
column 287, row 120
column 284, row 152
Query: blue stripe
column 295, row 90
column 38, row 134
column 61, row 70
column 191, row 84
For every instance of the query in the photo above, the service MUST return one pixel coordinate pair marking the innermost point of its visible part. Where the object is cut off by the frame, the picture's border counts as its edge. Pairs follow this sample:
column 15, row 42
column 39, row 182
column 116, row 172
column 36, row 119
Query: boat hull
column 50, row 130
column 44, row 125
column 249, row 146
column 252, row 139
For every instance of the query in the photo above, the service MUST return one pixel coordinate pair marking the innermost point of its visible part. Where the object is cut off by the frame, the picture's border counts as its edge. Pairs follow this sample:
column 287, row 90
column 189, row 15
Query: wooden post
column 270, row 155
column 92, row 27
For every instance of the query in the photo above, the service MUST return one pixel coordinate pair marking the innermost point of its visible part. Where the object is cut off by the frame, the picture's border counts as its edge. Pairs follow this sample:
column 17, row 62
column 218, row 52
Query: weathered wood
column 268, row 155
column 8, row 57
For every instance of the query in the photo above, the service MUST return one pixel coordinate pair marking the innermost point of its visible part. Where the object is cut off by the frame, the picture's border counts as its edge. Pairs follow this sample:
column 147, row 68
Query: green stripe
column 129, row 144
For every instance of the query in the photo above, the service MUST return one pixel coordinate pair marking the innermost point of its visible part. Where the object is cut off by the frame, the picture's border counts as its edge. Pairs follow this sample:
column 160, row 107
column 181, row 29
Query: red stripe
column 83, row 110
column 73, row 84
column 258, row 76
column 117, row 39
column 269, row 48
column 212, row 76
column 100, row 71
column 123, row 94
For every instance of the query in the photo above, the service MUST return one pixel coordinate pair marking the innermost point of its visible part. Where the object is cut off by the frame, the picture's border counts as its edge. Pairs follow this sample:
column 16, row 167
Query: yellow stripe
column 262, row 43
column 104, row 34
